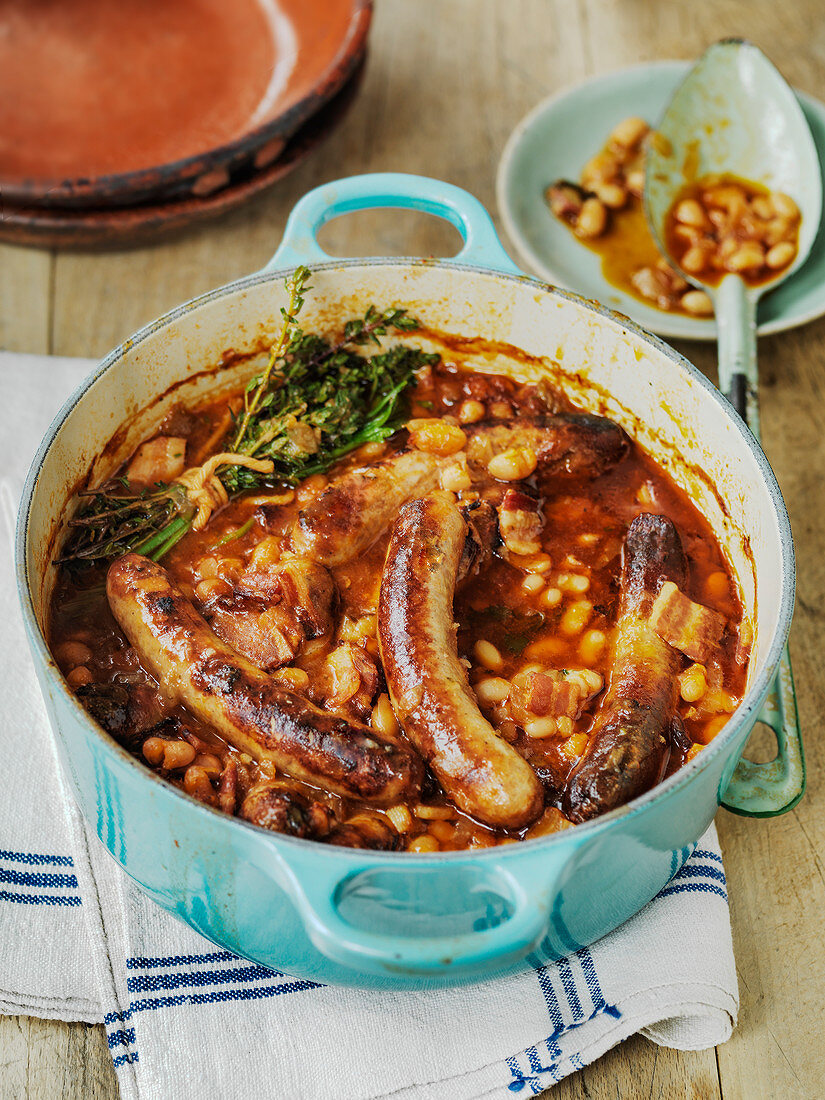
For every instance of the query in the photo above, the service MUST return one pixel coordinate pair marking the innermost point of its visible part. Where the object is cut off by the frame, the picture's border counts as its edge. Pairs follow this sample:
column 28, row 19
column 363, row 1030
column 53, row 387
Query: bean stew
column 494, row 619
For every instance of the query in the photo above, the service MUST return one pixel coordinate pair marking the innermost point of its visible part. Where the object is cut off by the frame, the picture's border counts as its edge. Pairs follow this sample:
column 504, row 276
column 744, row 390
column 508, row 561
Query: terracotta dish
column 113, row 226
column 114, row 104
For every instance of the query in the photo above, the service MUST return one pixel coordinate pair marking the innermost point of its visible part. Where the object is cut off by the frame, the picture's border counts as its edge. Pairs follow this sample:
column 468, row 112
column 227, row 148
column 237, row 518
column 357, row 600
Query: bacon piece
column 687, row 626
column 308, row 589
column 520, row 522
column 538, row 695
column 300, row 595
column 482, row 537
column 348, row 678
column 228, row 787
column 268, row 638
column 304, row 586
column 259, row 586
column 552, row 694
column 160, row 459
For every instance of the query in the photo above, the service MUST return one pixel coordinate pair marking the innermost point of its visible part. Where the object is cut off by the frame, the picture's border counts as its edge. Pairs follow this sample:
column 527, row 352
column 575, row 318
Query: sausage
column 273, row 804
column 630, row 739
column 428, row 685
column 352, row 512
column 365, row 830
column 250, row 709
column 568, row 446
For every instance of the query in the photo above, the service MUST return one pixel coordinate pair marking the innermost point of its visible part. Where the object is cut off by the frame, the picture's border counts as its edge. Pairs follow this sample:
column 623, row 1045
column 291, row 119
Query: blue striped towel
column 184, row 1019
column 46, row 966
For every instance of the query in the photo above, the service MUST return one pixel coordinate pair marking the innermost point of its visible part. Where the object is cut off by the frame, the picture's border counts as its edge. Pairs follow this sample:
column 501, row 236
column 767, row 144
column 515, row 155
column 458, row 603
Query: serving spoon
column 735, row 114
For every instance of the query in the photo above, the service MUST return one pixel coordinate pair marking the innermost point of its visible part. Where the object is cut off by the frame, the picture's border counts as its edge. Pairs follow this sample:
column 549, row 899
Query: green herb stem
column 163, row 541
column 296, row 284
column 314, row 403
column 230, row 536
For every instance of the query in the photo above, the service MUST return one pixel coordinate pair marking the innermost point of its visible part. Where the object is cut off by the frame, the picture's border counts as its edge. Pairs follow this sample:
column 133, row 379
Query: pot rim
column 749, row 707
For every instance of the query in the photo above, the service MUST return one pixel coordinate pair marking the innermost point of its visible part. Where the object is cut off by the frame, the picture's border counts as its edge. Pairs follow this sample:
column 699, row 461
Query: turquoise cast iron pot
column 398, row 920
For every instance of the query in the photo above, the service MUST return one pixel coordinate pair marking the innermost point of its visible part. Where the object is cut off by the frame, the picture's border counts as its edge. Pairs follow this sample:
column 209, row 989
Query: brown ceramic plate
column 50, row 227
column 105, row 104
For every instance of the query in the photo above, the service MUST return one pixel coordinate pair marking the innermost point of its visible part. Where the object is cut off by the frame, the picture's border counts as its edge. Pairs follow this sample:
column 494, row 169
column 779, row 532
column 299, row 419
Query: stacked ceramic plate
column 119, row 121
column 560, row 135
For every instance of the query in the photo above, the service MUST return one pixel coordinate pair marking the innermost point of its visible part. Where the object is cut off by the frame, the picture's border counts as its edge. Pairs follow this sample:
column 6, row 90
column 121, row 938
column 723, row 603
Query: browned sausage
column 568, row 446
column 352, row 512
column 250, row 709
column 273, row 804
column 630, row 738
column 428, row 685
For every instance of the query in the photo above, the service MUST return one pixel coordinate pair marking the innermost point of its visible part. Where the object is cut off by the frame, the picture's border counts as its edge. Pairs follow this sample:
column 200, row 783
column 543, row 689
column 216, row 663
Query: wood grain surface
column 447, row 81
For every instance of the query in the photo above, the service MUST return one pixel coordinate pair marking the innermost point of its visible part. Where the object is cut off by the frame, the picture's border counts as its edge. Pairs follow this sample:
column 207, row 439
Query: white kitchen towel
column 45, row 959
column 185, row 1019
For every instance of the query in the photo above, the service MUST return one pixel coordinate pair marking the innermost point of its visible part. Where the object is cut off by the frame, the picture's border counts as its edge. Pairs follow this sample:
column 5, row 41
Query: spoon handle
column 757, row 790
column 738, row 372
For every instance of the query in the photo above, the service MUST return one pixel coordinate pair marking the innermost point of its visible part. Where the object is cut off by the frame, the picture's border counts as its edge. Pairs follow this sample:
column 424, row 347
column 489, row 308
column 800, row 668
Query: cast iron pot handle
column 369, row 950
column 773, row 788
column 395, row 190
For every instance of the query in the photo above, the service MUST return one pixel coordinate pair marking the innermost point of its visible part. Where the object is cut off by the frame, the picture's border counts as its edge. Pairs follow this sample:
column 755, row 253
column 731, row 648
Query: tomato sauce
column 553, row 609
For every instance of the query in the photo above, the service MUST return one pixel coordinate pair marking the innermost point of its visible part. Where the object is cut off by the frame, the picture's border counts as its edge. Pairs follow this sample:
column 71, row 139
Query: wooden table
column 447, row 81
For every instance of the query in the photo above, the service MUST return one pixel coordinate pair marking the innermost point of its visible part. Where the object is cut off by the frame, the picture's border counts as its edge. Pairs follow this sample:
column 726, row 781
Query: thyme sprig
column 296, row 285
column 315, row 401
column 114, row 521
column 326, row 399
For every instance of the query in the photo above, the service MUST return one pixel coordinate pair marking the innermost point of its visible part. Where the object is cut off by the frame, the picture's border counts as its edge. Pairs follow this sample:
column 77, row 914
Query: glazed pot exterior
column 256, row 893
column 394, row 920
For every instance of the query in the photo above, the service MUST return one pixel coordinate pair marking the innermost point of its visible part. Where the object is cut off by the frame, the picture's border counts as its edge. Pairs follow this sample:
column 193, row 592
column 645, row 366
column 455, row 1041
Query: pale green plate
column 563, row 132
